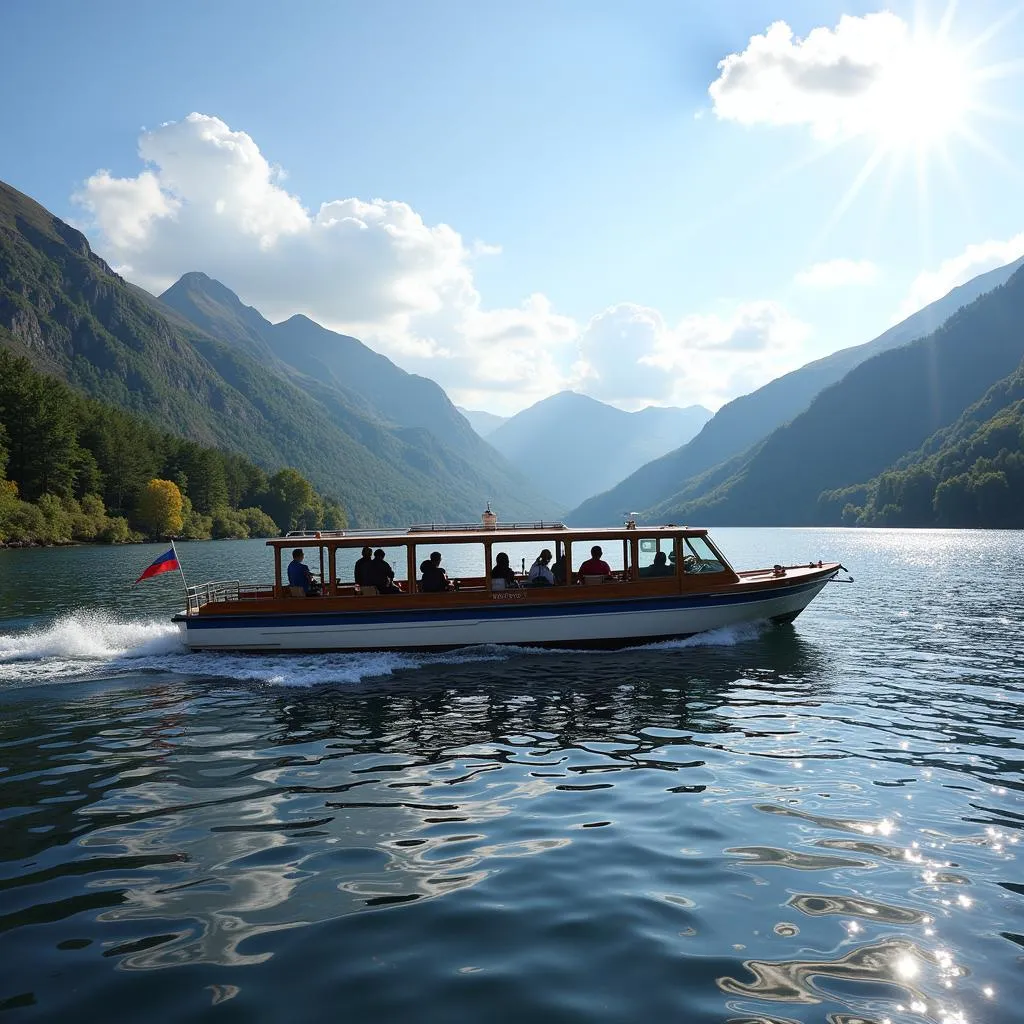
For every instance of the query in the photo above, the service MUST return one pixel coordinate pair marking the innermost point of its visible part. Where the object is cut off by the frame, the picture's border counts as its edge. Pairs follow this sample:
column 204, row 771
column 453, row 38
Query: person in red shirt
column 594, row 566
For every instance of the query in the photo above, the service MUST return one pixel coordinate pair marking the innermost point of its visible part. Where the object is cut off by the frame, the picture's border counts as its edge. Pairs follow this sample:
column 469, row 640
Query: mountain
column 880, row 411
column 484, row 423
column 574, row 445
column 350, row 377
column 750, row 418
column 968, row 474
column 64, row 308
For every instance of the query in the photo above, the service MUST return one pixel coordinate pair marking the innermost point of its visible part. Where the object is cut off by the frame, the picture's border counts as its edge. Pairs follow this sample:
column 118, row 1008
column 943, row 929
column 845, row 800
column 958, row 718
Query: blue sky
column 565, row 202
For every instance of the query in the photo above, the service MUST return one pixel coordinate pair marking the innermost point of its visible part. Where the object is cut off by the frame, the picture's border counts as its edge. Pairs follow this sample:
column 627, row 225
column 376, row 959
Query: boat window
column 698, row 556
column 462, row 563
column 345, row 560
column 614, row 552
column 657, row 557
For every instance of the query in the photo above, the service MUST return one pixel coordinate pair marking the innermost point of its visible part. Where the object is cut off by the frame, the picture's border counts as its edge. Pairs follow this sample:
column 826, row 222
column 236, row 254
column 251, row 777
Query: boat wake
column 80, row 646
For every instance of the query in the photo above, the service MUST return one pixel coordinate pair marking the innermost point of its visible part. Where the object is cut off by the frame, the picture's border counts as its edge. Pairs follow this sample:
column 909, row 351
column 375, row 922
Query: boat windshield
column 657, row 557
column 699, row 557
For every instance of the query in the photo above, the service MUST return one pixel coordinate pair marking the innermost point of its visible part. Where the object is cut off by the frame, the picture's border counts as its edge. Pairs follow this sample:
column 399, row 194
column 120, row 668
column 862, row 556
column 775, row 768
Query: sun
column 921, row 97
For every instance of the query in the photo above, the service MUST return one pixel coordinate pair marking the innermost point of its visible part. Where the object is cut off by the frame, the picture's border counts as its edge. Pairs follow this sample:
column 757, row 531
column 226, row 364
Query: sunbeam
column 923, row 104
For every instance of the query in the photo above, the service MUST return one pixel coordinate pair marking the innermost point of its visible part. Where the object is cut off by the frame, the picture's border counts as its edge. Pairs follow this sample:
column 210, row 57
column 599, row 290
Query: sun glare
column 922, row 98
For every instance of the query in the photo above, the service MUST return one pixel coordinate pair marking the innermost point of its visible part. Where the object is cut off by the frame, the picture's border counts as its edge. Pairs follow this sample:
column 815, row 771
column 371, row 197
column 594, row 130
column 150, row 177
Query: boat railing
column 482, row 527
column 320, row 535
column 219, row 591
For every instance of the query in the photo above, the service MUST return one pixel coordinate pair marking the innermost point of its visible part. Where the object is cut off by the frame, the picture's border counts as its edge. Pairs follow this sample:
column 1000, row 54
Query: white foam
column 727, row 636
column 97, row 645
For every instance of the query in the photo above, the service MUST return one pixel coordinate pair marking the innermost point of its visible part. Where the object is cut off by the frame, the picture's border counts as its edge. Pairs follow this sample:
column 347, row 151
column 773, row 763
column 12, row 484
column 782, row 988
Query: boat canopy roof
column 475, row 533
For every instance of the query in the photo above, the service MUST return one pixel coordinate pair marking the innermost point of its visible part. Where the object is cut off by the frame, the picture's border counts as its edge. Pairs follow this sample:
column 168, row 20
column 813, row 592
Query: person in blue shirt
column 299, row 574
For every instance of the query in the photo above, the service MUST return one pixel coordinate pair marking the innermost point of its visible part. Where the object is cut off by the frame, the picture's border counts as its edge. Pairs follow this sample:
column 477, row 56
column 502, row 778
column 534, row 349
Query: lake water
column 813, row 823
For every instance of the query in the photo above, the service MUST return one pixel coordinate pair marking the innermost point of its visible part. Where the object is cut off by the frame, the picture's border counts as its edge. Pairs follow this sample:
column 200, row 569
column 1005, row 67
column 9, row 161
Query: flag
column 167, row 562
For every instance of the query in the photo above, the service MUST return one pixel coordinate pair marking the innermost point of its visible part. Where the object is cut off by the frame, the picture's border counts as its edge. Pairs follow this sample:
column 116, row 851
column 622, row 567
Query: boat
column 663, row 583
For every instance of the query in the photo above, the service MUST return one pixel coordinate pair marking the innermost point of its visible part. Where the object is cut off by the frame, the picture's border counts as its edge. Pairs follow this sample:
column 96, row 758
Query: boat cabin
column 641, row 584
column 663, row 556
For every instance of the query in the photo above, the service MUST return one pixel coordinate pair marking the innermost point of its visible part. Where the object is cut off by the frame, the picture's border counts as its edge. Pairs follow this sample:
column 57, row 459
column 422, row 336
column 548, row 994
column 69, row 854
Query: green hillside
column 970, row 474
column 74, row 469
column 882, row 410
column 63, row 308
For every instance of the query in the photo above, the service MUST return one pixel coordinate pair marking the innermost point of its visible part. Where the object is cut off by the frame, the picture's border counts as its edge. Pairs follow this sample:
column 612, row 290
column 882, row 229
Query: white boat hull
column 577, row 624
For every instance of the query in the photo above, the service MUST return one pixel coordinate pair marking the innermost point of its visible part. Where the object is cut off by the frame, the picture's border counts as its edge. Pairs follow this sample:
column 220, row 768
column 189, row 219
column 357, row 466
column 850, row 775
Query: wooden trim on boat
column 477, row 593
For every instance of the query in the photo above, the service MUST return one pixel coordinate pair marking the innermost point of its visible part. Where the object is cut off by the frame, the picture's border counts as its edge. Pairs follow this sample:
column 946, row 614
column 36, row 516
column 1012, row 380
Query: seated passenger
column 504, row 572
column 660, row 566
column 595, row 565
column 381, row 575
column 540, row 574
column 558, row 570
column 433, row 579
column 300, row 576
column 362, row 569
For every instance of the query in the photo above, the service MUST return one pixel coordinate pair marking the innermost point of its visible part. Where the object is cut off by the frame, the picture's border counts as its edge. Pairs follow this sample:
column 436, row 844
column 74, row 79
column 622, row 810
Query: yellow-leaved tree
column 160, row 508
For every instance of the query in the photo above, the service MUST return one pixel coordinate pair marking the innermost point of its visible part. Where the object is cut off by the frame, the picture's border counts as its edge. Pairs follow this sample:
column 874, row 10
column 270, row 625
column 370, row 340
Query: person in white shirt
column 540, row 575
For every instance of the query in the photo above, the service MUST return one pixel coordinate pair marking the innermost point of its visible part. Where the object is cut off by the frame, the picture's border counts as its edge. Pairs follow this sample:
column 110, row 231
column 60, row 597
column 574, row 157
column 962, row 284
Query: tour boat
column 663, row 583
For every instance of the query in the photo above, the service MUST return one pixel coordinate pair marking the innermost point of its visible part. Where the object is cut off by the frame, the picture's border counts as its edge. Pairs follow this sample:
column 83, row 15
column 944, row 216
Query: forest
column 970, row 481
column 73, row 469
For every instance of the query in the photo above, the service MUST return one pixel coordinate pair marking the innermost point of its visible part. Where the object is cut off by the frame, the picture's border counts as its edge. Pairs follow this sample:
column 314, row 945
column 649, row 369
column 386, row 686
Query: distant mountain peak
column 580, row 445
column 568, row 396
column 196, row 282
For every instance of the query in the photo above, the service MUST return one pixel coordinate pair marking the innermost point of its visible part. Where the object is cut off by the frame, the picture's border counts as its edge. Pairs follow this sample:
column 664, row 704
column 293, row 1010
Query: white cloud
column 613, row 347
column 629, row 353
column 836, row 273
column 974, row 260
column 124, row 208
column 834, row 80
column 207, row 199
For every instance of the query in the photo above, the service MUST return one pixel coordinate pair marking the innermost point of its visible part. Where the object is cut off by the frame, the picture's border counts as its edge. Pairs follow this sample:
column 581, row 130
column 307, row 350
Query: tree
column 244, row 480
column 992, row 493
column 335, row 517
column 288, row 495
column 160, row 508
column 39, row 415
column 954, row 503
column 124, row 456
column 203, row 469
column 258, row 522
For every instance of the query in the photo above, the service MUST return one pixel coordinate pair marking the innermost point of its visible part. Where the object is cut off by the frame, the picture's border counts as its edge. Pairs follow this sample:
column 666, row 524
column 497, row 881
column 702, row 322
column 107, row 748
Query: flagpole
column 182, row 571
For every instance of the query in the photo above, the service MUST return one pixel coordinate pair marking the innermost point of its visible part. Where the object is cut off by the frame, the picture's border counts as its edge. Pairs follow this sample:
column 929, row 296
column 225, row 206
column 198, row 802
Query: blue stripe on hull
column 499, row 611
column 605, row 644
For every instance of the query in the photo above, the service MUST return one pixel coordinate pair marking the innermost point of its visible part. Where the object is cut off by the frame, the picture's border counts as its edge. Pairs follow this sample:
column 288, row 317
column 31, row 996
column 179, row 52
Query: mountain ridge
column 336, row 366
column 880, row 411
column 750, row 418
column 576, row 443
